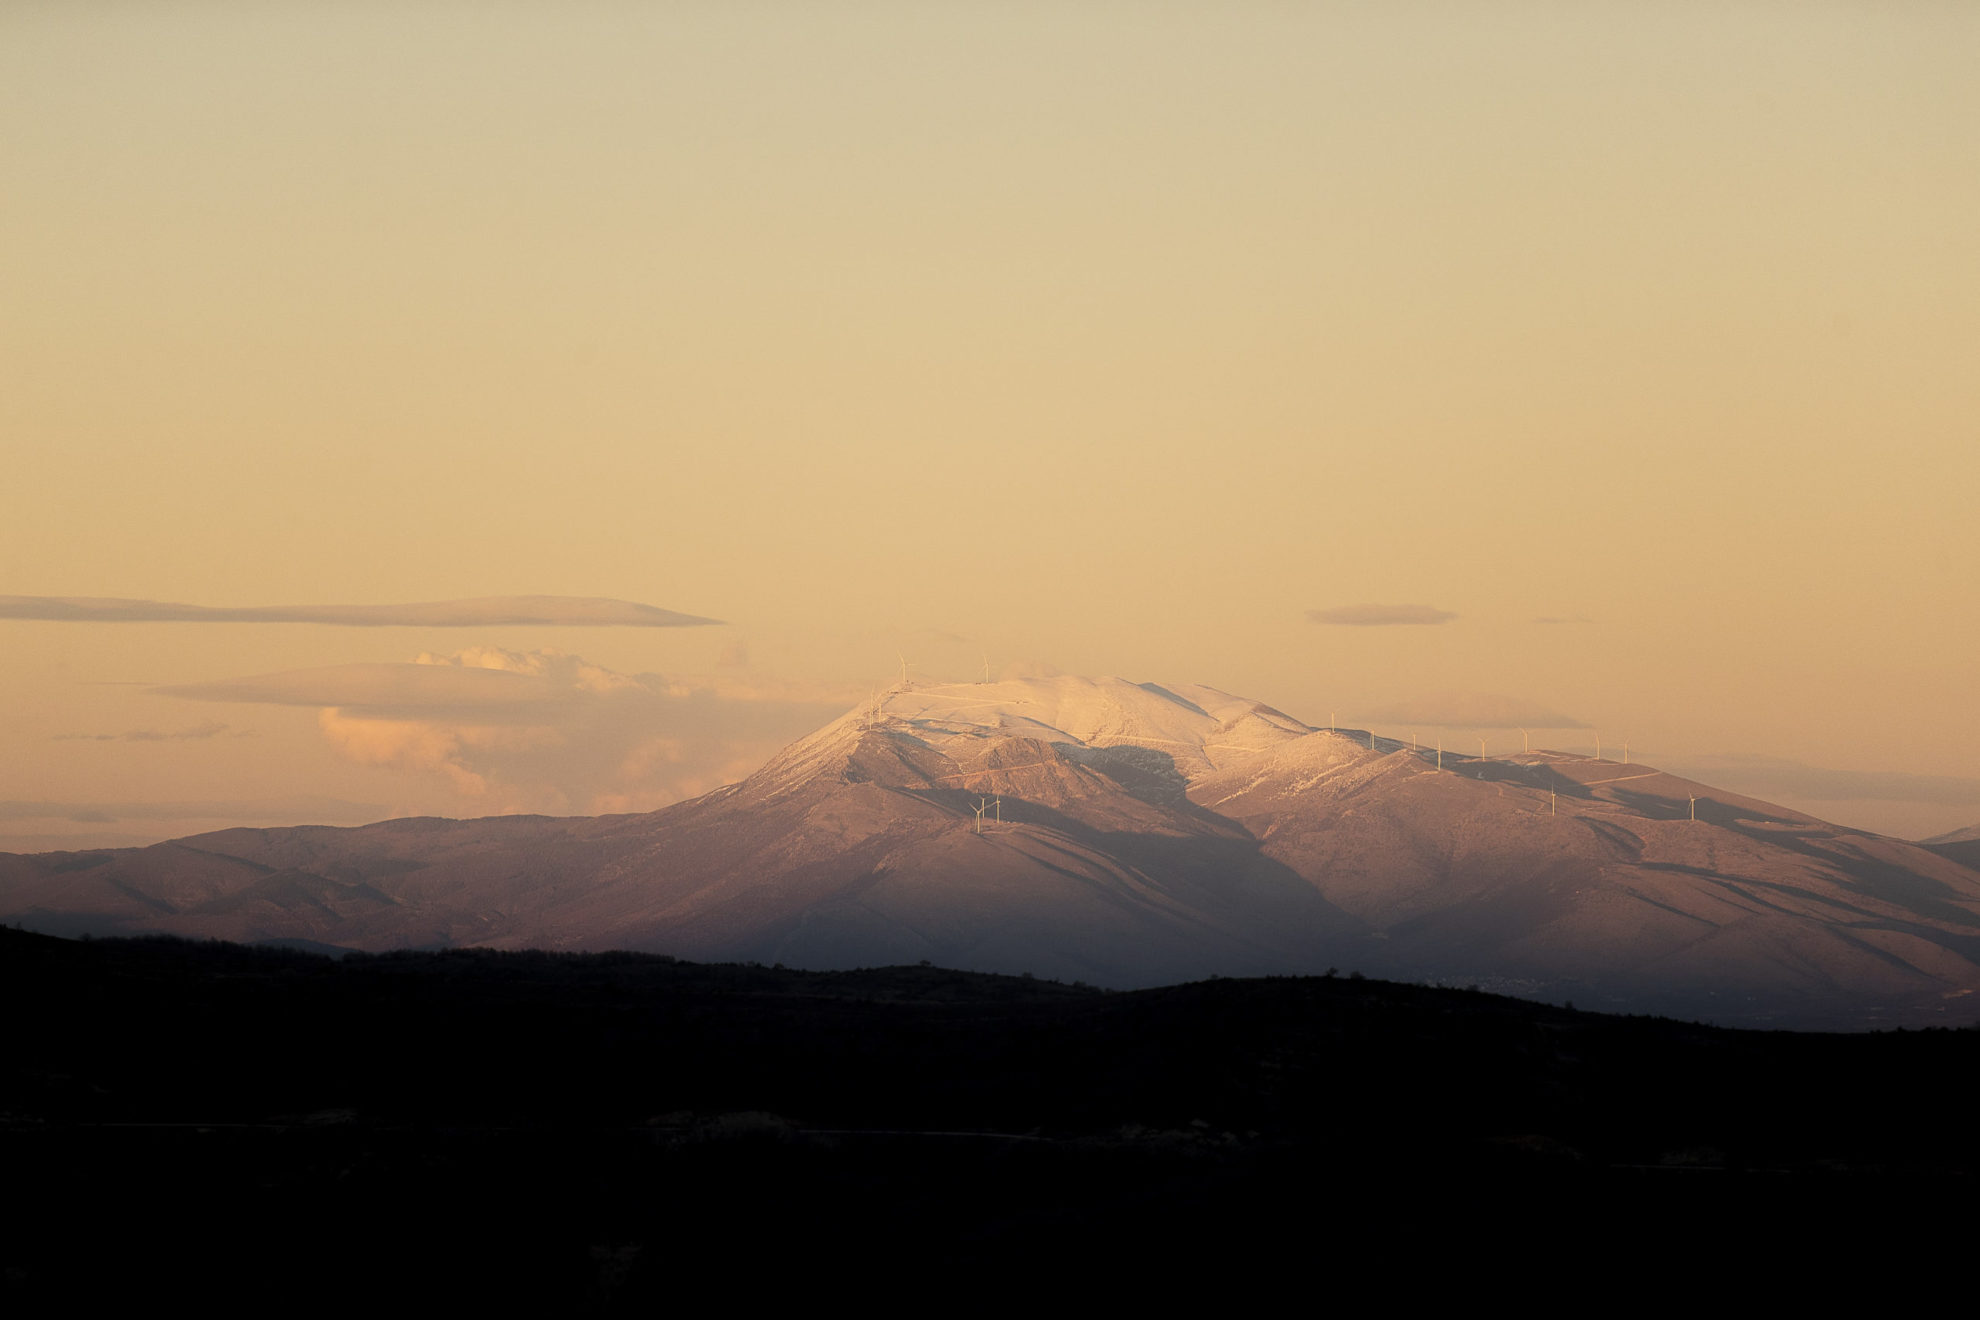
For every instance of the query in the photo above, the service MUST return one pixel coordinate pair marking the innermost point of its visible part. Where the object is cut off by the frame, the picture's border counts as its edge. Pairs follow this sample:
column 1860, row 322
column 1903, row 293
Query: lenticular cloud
column 479, row 612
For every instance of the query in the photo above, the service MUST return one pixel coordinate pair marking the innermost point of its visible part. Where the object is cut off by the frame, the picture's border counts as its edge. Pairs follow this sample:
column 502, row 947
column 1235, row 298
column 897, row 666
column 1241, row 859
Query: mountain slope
column 1963, row 846
column 1127, row 834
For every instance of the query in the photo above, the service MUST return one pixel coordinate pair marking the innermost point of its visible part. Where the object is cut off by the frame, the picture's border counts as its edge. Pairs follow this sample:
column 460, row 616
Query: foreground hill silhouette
column 615, row 1132
column 1130, row 835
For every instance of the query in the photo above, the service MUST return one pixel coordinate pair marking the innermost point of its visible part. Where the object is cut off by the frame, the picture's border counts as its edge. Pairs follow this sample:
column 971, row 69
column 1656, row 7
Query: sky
column 1605, row 369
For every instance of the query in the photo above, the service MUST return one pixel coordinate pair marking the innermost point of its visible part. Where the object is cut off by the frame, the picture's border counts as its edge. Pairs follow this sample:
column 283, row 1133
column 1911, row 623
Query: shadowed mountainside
column 1128, row 835
column 1963, row 846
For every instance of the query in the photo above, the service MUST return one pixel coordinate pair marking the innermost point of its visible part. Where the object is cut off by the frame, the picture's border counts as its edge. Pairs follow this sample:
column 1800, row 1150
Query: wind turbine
column 1694, row 806
column 1000, row 811
column 1598, row 744
column 1481, row 749
column 904, row 670
column 986, row 666
column 1440, row 749
column 981, row 804
column 1525, row 743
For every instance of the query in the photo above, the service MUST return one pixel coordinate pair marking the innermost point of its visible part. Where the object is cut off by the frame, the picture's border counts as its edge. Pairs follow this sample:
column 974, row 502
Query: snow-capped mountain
column 1126, row 834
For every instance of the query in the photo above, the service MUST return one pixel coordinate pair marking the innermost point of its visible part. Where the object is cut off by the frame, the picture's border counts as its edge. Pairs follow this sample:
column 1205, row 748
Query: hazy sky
column 1420, row 363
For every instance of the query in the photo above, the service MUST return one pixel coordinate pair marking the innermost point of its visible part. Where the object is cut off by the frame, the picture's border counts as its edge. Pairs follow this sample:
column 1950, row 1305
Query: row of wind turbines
column 1526, row 748
column 1525, row 738
column 907, row 665
column 984, row 805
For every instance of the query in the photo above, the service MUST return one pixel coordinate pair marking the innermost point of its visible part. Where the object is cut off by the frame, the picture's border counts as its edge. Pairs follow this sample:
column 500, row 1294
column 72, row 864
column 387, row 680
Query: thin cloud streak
column 478, row 612
column 1379, row 616
column 285, row 810
column 198, row 732
column 430, row 689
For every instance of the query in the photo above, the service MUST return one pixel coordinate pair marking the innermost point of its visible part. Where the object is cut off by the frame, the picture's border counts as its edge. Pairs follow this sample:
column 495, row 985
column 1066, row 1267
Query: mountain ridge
column 1125, row 834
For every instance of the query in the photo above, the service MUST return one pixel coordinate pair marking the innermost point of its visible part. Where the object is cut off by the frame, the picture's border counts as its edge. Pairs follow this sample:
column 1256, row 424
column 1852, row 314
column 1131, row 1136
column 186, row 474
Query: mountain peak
column 1128, row 833
column 1200, row 728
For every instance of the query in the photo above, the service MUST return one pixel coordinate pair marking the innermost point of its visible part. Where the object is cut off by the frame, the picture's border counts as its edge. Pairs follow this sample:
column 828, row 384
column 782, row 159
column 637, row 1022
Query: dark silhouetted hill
column 604, row 1131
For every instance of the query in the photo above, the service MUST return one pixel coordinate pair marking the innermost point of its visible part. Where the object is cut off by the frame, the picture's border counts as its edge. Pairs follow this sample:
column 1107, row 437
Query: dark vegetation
column 616, row 1132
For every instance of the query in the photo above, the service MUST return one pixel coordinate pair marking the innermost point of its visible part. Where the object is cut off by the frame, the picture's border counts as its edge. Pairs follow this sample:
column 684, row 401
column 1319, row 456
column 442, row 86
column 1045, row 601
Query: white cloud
column 546, row 730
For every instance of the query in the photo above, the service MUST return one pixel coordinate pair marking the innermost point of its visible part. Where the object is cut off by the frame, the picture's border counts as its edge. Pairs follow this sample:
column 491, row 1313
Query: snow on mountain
column 1129, row 834
column 1199, row 727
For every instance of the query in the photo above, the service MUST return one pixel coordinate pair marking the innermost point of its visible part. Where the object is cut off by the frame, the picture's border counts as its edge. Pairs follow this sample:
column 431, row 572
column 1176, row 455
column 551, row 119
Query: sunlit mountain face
column 1124, row 834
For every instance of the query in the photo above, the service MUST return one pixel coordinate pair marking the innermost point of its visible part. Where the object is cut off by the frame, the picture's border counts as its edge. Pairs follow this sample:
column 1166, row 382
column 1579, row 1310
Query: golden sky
column 1123, row 338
